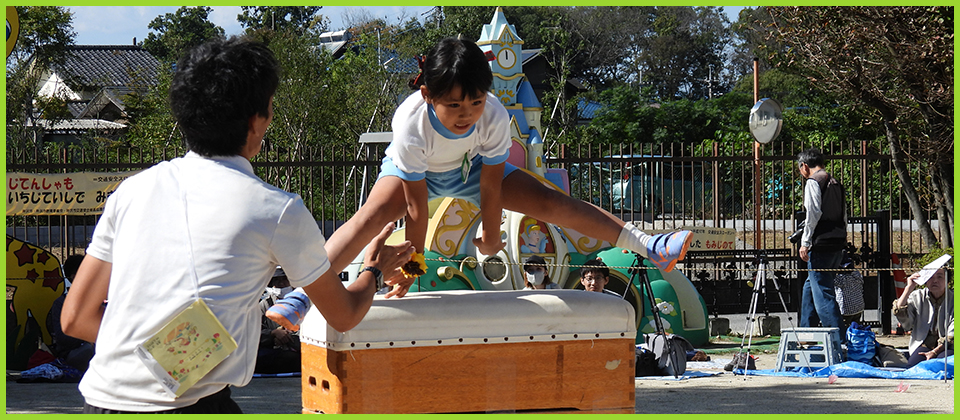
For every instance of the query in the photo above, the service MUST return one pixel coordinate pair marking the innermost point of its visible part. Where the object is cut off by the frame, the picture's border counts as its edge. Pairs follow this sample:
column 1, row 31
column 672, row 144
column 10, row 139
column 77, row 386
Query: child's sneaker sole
column 664, row 255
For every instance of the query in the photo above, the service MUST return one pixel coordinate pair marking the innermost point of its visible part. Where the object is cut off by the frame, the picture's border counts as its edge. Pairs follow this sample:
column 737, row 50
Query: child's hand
column 489, row 247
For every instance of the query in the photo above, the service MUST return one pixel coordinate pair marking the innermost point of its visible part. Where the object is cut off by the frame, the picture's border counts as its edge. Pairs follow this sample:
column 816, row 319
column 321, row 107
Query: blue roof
column 521, row 119
column 587, row 110
column 526, row 96
column 534, row 137
column 394, row 63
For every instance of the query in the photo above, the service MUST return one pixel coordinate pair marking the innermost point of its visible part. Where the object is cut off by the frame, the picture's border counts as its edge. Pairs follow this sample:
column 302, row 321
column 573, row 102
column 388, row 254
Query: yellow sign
column 81, row 193
column 13, row 28
column 707, row 238
column 712, row 239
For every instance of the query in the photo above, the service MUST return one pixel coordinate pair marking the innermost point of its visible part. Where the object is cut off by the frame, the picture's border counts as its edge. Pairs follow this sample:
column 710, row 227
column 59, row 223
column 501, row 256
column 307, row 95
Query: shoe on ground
column 665, row 249
column 289, row 311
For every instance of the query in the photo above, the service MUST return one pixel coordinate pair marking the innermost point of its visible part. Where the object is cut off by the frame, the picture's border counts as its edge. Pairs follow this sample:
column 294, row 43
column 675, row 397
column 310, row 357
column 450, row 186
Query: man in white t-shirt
column 205, row 227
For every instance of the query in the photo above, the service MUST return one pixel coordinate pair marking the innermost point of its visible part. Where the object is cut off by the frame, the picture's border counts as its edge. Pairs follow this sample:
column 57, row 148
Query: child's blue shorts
column 446, row 184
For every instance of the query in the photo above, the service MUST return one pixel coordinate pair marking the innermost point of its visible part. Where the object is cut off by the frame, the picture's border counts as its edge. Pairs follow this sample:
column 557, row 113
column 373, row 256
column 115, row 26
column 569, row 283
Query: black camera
column 796, row 236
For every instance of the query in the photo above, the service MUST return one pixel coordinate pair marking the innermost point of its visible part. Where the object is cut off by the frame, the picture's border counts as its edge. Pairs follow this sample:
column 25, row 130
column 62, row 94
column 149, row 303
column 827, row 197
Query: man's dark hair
column 455, row 61
column 595, row 266
column 217, row 87
column 812, row 157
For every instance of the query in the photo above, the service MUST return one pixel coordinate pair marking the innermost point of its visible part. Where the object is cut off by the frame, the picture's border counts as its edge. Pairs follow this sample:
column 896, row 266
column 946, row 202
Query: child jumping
column 451, row 138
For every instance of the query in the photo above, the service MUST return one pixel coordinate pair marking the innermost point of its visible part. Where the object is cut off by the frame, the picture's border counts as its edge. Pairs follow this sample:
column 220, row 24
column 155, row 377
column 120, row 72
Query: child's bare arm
column 491, row 209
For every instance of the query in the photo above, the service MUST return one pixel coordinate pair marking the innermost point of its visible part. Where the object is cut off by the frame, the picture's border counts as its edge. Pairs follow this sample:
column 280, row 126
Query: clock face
column 506, row 58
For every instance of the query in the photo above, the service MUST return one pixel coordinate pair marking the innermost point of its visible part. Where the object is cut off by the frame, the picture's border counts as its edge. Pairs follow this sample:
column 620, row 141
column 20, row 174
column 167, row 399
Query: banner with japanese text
column 79, row 193
column 707, row 238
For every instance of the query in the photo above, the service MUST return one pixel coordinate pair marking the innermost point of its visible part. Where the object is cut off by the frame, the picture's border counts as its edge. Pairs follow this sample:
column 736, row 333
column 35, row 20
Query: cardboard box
column 469, row 351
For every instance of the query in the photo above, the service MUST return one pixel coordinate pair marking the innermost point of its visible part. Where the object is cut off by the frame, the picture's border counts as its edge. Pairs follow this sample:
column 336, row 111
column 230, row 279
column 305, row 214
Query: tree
column 179, row 31
column 45, row 34
column 895, row 60
column 150, row 121
column 681, row 53
column 300, row 19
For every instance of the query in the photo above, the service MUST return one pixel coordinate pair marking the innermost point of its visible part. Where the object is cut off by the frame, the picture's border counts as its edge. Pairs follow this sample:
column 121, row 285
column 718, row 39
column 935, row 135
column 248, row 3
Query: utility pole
column 757, row 167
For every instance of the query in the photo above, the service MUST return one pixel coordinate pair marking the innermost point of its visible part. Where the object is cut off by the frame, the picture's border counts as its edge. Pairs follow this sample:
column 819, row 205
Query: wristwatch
column 376, row 272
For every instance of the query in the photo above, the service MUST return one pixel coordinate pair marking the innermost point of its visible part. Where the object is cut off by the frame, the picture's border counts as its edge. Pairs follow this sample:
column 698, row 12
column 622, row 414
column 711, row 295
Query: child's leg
column 289, row 310
column 522, row 193
column 385, row 204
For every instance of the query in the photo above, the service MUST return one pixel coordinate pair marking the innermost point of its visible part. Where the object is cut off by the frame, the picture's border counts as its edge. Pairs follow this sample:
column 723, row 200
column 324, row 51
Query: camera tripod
column 758, row 287
column 671, row 354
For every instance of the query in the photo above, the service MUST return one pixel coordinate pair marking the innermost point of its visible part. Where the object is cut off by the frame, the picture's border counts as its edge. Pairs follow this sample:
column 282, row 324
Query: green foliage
column 301, row 20
column 149, row 119
column 629, row 116
column 45, row 35
column 177, row 32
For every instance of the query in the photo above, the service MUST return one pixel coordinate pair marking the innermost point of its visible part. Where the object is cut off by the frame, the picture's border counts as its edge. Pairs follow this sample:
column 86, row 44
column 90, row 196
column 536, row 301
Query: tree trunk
column 943, row 188
column 906, row 181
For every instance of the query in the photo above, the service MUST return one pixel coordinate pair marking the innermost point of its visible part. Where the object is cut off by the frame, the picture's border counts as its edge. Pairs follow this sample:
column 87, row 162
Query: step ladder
column 808, row 347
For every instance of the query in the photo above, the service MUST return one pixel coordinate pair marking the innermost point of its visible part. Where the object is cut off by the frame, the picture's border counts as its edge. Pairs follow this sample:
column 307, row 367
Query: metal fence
column 665, row 186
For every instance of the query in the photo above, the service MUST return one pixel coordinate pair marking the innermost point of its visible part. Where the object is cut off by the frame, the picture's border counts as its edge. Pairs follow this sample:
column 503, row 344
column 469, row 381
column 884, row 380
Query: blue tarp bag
column 861, row 343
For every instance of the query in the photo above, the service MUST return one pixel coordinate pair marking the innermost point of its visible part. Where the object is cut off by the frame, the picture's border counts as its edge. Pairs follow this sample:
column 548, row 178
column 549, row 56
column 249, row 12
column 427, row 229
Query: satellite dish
column 766, row 119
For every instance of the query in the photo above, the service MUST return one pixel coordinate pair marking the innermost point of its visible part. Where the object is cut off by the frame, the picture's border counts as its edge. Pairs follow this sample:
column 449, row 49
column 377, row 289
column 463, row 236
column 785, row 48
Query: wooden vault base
column 555, row 376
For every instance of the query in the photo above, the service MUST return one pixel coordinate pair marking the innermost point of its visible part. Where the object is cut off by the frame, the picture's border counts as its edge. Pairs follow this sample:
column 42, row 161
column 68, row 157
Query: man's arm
column 491, row 209
column 344, row 307
column 83, row 307
column 812, row 202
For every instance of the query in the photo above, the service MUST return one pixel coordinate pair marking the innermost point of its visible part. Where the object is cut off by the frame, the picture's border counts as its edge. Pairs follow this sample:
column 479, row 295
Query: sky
column 119, row 25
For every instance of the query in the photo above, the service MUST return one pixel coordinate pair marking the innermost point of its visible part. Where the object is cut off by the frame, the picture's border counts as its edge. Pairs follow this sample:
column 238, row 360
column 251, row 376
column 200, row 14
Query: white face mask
column 535, row 279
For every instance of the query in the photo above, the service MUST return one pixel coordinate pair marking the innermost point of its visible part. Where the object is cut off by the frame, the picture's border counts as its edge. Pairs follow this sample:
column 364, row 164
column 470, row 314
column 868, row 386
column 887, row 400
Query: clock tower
column 501, row 39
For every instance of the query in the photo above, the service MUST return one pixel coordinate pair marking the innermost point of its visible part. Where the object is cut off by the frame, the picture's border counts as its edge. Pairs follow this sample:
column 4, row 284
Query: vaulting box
column 470, row 351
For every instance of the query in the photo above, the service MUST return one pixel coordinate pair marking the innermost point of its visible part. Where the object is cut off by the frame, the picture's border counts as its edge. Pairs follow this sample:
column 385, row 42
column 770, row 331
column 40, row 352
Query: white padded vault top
column 478, row 317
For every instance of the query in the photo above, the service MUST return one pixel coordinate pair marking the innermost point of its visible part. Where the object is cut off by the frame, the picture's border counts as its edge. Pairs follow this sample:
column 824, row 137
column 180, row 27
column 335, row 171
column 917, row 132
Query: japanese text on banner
column 81, row 193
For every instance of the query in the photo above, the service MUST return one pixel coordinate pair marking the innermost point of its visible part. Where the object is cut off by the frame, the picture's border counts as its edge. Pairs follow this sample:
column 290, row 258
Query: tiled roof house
column 94, row 80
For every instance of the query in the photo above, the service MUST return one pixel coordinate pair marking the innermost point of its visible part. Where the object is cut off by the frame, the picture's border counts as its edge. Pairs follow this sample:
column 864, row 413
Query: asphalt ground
column 723, row 393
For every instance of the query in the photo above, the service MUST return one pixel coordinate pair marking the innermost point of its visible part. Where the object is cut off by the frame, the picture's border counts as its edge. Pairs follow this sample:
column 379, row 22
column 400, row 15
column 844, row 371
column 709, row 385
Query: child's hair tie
column 419, row 79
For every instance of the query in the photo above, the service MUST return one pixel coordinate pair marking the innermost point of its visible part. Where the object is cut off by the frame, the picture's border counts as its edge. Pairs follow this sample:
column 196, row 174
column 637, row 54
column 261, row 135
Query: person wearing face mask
column 535, row 274
column 928, row 314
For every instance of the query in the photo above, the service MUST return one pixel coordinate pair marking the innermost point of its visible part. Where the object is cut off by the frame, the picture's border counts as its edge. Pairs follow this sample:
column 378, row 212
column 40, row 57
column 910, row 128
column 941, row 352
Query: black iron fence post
column 887, row 288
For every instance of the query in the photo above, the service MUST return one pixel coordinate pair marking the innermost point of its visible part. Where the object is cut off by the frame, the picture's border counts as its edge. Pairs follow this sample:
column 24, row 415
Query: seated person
column 594, row 276
column 72, row 351
column 279, row 350
column 928, row 313
column 535, row 274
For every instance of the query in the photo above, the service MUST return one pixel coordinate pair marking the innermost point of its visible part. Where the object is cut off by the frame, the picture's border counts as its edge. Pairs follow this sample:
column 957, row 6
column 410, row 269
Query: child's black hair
column 217, row 87
column 454, row 62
